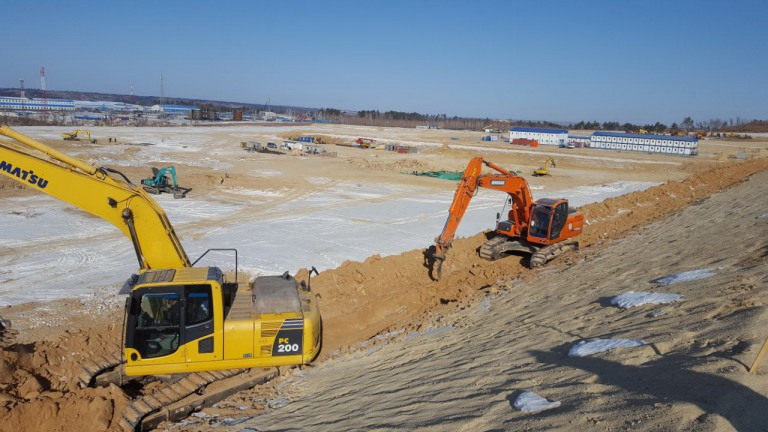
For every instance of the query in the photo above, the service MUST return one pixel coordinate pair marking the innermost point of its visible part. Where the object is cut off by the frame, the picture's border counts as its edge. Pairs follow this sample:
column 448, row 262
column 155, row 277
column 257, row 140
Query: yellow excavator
column 544, row 171
column 179, row 318
column 73, row 136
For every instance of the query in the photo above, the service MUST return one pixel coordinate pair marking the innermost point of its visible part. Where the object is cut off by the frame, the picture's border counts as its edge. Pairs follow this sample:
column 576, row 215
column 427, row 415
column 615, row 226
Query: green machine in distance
column 160, row 182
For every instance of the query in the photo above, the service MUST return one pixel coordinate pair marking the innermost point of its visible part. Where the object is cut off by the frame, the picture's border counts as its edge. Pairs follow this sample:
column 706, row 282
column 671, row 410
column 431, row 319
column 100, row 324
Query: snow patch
column 631, row 299
column 255, row 192
column 594, row 346
column 686, row 276
column 529, row 401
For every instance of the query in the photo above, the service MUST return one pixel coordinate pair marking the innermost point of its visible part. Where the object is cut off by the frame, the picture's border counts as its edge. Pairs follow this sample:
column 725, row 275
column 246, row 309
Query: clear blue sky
column 609, row 60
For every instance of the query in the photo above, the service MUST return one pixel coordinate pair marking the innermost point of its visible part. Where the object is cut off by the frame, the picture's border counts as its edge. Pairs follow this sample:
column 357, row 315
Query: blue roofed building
column 175, row 109
column 665, row 144
column 544, row 136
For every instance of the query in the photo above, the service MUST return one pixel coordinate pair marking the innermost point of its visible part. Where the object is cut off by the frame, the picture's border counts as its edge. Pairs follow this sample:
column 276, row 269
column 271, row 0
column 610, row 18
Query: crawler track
column 499, row 246
column 546, row 254
column 173, row 401
column 93, row 367
column 167, row 395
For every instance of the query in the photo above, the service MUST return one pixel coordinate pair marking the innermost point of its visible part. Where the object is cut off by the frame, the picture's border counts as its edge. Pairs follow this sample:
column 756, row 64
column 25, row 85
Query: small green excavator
column 159, row 182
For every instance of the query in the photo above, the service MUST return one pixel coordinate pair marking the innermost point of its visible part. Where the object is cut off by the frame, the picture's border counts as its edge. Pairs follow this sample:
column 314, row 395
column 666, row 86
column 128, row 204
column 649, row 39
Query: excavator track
column 492, row 249
column 173, row 401
column 95, row 366
column 138, row 409
column 499, row 246
column 548, row 253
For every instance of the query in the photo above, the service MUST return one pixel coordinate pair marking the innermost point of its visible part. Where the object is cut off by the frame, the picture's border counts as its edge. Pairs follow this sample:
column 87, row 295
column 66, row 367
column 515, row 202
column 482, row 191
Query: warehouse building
column 666, row 144
column 555, row 137
column 174, row 109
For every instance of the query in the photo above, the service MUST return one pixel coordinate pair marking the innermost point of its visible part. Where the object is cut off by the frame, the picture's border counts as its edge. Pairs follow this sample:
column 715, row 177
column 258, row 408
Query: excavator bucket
column 7, row 334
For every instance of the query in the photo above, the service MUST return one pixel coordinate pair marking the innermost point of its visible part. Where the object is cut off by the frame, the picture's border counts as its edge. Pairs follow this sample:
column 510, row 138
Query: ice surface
column 686, row 276
column 529, row 401
column 594, row 346
column 631, row 299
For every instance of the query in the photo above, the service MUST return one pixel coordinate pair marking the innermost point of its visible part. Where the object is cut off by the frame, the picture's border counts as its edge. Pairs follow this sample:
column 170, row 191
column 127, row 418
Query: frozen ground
column 54, row 252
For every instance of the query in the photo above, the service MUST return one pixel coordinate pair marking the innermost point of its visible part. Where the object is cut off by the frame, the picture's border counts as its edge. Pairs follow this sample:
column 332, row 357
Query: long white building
column 683, row 146
column 24, row 104
column 556, row 137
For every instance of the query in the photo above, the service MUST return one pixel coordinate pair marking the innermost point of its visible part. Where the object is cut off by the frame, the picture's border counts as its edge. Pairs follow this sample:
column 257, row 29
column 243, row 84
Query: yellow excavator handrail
column 98, row 191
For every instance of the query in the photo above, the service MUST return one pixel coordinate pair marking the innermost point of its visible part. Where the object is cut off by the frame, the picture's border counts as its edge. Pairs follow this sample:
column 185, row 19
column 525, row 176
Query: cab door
column 559, row 217
column 155, row 326
column 199, row 329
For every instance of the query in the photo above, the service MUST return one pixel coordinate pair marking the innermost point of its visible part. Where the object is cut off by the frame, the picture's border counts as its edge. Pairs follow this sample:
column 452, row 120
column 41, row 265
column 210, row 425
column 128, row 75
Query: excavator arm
column 502, row 180
column 102, row 192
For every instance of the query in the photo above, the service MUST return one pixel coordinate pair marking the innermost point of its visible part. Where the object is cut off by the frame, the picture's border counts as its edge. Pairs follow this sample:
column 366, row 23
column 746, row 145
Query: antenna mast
column 162, row 93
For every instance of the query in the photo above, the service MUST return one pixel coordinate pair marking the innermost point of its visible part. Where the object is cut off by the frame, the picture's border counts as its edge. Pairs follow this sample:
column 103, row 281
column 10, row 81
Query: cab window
column 199, row 308
column 158, row 326
column 540, row 221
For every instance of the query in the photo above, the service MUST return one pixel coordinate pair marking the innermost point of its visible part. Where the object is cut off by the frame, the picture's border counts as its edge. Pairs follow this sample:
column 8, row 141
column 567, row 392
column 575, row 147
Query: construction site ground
column 402, row 351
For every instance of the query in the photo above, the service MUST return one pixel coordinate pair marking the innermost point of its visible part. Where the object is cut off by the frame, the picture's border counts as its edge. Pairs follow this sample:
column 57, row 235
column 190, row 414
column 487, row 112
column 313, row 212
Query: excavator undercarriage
column 500, row 246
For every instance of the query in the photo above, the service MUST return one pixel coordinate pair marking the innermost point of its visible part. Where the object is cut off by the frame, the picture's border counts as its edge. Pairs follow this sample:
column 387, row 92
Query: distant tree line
column 390, row 118
column 687, row 125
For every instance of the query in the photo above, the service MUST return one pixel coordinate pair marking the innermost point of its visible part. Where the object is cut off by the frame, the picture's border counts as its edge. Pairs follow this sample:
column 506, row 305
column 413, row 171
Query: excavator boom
column 97, row 191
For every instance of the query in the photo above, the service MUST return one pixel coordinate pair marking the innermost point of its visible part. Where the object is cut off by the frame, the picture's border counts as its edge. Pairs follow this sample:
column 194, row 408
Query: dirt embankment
column 38, row 390
column 359, row 300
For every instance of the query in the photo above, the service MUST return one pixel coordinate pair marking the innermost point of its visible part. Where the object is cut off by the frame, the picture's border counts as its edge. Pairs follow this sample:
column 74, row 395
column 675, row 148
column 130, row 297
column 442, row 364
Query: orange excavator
column 543, row 229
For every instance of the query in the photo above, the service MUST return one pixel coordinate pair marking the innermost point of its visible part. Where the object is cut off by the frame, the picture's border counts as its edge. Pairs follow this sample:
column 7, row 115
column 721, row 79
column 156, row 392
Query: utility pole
column 21, row 93
column 162, row 92
column 42, row 87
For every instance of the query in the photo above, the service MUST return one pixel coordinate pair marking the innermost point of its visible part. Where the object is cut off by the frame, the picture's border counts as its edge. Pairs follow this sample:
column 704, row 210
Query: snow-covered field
column 49, row 250
column 54, row 252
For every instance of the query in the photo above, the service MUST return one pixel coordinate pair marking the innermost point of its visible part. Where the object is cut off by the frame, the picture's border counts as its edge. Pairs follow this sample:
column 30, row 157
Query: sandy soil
column 493, row 347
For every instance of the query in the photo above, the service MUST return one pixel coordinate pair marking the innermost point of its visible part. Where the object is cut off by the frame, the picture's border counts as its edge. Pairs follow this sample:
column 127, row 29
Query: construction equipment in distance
column 179, row 318
column 160, row 183
column 542, row 229
column 525, row 142
column 365, row 142
column 544, row 171
column 73, row 136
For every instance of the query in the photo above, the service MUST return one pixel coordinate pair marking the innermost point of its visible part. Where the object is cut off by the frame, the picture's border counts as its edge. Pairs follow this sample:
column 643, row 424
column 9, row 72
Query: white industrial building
column 579, row 141
column 556, row 137
column 25, row 104
column 683, row 146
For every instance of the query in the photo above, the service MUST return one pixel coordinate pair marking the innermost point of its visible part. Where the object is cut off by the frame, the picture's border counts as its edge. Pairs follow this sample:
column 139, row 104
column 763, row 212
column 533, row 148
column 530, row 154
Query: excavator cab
column 548, row 218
